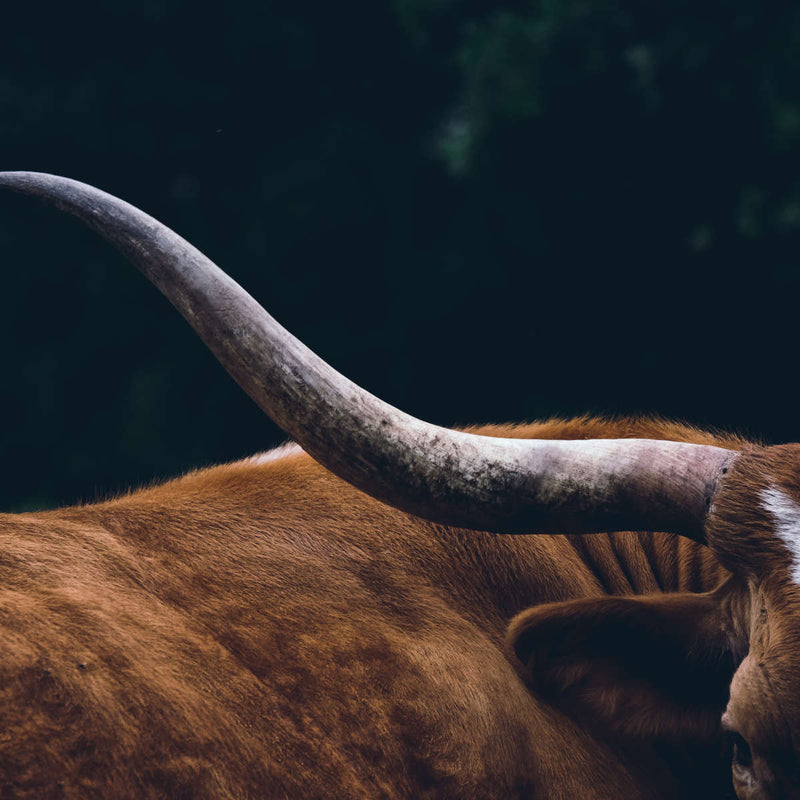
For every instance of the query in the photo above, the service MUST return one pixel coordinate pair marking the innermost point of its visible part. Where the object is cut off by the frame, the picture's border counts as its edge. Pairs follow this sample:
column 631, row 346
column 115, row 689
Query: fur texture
column 263, row 630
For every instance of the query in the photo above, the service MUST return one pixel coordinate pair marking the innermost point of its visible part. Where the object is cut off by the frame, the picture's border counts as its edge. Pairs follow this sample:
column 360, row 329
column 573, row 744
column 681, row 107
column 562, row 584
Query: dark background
column 481, row 211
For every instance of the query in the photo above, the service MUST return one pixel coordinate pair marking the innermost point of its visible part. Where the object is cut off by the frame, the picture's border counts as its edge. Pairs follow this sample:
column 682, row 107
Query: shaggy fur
column 263, row 630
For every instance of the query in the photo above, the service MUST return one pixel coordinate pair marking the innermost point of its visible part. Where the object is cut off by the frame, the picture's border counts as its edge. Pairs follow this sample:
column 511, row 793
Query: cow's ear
column 653, row 666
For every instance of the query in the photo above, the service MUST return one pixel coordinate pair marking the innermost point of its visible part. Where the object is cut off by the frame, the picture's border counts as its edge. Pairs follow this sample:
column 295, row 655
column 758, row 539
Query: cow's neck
column 520, row 571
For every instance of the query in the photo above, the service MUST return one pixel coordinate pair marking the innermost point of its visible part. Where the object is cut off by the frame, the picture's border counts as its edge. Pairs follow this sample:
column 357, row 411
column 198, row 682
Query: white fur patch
column 786, row 513
column 284, row 451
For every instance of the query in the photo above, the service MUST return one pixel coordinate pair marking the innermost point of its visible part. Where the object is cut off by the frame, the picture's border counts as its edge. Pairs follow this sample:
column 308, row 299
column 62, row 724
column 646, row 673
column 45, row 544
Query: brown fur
column 267, row 631
column 764, row 705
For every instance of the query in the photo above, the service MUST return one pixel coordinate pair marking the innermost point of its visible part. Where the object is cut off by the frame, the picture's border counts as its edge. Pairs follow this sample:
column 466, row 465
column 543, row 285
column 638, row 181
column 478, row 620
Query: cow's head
column 671, row 665
column 754, row 529
column 685, row 666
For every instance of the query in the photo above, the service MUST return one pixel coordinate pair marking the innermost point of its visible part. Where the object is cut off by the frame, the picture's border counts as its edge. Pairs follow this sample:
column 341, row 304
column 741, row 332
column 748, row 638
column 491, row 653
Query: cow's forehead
column 784, row 511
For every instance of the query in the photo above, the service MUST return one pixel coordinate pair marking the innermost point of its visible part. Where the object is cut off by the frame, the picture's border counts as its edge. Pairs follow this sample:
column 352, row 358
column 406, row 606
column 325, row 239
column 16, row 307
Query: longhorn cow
column 350, row 617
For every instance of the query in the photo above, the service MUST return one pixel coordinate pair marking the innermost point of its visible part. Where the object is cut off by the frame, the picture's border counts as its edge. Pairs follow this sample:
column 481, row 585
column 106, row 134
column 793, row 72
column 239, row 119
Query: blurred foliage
column 479, row 210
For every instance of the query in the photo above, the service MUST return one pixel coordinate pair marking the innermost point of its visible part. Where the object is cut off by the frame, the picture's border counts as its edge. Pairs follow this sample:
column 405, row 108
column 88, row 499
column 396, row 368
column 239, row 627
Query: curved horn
column 501, row 485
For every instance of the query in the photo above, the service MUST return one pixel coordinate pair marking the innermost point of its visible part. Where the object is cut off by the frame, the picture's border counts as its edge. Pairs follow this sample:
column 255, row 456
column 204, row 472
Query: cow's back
column 264, row 630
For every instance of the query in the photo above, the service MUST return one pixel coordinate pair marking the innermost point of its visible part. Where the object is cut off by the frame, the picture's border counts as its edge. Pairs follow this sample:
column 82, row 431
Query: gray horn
column 501, row 485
